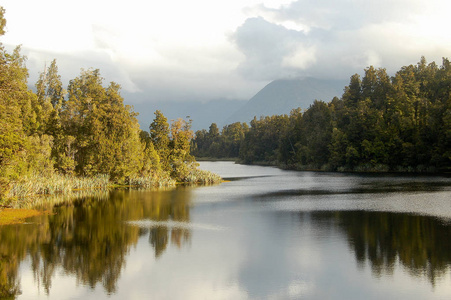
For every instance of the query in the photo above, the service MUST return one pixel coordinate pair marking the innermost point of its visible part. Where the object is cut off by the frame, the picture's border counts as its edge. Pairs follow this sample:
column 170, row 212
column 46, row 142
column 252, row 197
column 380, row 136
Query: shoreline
column 357, row 170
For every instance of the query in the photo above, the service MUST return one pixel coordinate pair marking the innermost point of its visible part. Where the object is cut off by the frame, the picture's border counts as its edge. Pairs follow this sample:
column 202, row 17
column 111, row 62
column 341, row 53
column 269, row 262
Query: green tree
column 232, row 136
column 21, row 151
column 200, row 144
column 353, row 92
column 50, row 98
column 105, row 132
column 151, row 160
column 159, row 135
column 316, row 135
column 180, row 158
column 49, row 86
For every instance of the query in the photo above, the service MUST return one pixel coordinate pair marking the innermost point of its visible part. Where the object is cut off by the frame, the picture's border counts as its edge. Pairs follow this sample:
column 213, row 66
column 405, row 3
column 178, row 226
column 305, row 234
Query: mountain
column 281, row 96
column 202, row 113
column 278, row 97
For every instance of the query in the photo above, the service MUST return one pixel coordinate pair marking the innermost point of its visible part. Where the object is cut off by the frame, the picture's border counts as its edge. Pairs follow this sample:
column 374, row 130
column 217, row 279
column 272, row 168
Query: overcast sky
column 206, row 49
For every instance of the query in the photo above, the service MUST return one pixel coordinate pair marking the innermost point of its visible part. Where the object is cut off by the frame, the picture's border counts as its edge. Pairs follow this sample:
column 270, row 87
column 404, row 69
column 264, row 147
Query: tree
column 200, row 144
column 151, row 160
column 180, row 158
column 317, row 134
column 232, row 135
column 50, row 96
column 49, row 87
column 106, row 134
column 2, row 21
column 20, row 150
column 159, row 135
column 353, row 92
column 213, row 131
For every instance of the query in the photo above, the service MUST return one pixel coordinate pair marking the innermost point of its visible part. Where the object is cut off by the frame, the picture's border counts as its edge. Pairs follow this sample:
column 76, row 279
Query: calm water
column 265, row 234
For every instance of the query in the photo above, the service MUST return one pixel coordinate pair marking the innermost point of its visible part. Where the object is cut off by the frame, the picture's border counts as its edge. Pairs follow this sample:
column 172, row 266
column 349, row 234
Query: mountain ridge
column 277, row 97
column 282, row 95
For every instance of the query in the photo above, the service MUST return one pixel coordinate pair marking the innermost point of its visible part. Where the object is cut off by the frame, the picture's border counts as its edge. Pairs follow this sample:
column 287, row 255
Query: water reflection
column 371, row 186
column 89, row 238
column 422, row 244
column 284, row 236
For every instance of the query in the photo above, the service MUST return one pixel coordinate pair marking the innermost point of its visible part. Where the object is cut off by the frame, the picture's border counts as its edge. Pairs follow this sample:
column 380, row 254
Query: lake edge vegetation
column 381, row 123
column 56, row 140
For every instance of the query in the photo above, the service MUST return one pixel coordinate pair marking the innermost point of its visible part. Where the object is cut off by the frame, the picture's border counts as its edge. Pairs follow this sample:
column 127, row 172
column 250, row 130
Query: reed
column 55, row 184
column 151, row 181
column 37, row 190
column 46, row 202
column 197, row 176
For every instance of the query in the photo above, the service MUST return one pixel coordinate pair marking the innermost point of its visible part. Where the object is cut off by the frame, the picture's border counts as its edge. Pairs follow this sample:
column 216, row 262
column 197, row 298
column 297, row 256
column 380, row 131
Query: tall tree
column 180, row 158
column 105, row 132
column 21, row 151
column 159, row 135
column 2, row 21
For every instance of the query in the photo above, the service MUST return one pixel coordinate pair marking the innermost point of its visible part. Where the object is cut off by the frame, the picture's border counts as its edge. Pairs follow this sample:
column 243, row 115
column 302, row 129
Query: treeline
column 216, row 144
column 84, row 130
column 380, row 123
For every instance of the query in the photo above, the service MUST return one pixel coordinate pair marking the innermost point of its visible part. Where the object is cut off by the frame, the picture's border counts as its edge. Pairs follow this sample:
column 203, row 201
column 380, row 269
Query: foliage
column 197, row 176
column 159, row 136
column 380, row 123
column 18, row 105
column 216, row 144
column 84, row 131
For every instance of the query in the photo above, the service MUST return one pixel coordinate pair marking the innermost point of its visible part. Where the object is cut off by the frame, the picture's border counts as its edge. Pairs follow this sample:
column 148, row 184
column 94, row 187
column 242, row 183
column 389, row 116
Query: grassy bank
column 36, row 189
column 43, row 191
column 198, row 176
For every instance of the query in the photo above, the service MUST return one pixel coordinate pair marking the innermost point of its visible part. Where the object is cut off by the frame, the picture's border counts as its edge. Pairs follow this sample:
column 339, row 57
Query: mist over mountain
column 202, row 113
column 278, row 97
column 281, row 96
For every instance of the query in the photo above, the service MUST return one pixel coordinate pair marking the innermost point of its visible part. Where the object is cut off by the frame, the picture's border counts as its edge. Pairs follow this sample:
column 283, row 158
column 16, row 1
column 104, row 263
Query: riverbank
column 56, row 188
column 234, row 159
column 366, row 168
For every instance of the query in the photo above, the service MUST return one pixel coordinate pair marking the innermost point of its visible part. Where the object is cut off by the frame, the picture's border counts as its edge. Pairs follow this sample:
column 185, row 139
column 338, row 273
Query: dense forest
column 82, row 131
column 380, row 123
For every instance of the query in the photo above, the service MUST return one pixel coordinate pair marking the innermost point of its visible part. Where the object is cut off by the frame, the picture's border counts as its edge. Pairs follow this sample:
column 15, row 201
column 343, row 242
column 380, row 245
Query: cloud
column 269, row 48
column 335, row 39
column 201, row 50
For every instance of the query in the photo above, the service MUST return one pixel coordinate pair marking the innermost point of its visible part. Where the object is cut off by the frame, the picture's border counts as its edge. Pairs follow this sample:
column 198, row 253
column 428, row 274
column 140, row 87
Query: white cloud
column 210, row 49
column 301, row 58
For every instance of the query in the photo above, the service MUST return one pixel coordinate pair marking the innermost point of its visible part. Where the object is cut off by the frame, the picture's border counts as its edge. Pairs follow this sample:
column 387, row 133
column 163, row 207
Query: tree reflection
column 89, row 239
column 9, row 285
column 422, row 244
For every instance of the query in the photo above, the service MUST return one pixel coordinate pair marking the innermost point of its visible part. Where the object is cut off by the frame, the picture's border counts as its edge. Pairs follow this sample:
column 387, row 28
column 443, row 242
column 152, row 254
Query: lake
column 266, row 233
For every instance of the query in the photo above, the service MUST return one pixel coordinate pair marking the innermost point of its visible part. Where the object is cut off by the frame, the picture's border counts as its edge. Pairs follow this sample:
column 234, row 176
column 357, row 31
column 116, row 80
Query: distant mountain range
column 281, row 96
column 202, row 113
column 278, row 97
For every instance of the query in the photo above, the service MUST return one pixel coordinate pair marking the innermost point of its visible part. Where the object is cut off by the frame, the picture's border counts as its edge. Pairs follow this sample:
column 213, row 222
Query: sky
column 201, row 50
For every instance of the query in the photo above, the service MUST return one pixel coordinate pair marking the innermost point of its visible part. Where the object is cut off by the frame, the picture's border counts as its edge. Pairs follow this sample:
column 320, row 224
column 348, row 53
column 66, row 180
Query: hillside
column 202, row 114
column 281, row 96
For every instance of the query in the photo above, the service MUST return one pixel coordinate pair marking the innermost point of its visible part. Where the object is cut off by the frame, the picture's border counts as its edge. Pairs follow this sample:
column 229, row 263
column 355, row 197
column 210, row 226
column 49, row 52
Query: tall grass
column 198, row 176
column 56, row 188
column 45, row 202
column 55, row 184
column 152, row 181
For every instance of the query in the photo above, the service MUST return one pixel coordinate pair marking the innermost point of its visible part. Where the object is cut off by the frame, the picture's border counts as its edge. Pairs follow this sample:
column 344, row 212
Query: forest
column 55, row 140
column 399, row 123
